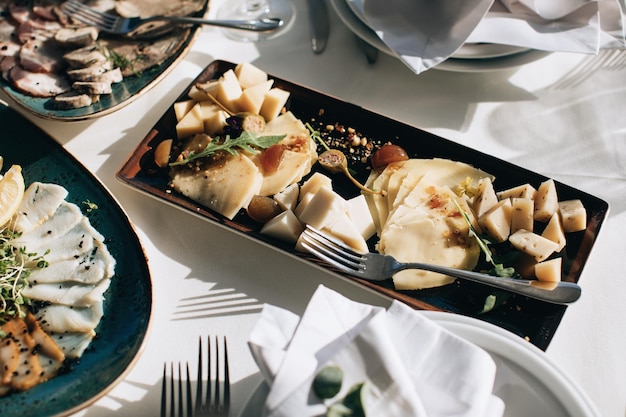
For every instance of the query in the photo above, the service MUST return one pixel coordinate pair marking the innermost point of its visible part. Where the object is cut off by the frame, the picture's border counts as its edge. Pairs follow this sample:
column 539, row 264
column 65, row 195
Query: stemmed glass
column 255, row 9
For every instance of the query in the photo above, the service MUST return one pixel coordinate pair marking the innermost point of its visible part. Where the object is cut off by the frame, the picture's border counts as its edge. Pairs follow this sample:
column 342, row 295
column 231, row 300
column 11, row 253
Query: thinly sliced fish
column 74, row 243
column 90, row 268
column 73, row 345
column 66, row 216
column 69, row 294
column 57, row 318
column 40, row 202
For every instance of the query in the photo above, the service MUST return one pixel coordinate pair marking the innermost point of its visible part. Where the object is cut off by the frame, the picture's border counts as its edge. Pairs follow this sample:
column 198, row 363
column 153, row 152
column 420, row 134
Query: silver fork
column 214, row 401
column 120, row 25
column 377, row 267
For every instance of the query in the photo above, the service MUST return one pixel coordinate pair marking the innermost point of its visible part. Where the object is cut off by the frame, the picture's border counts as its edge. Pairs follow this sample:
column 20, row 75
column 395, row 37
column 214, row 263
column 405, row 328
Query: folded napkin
column 410, row 366
column 424, row 33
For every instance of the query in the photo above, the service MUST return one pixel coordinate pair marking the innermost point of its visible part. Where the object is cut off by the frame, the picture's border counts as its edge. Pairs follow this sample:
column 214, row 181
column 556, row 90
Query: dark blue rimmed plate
column 128, row 301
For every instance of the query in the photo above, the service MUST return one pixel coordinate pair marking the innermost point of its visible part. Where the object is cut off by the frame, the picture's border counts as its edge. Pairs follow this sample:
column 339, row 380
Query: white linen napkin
column 411, row 366
column 424, row 33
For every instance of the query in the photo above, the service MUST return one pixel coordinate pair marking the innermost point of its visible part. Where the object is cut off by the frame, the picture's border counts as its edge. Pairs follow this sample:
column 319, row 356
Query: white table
column 562, row 116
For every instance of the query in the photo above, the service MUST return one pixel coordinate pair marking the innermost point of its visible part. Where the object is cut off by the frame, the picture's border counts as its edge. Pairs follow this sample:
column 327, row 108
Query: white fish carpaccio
column 71, row 288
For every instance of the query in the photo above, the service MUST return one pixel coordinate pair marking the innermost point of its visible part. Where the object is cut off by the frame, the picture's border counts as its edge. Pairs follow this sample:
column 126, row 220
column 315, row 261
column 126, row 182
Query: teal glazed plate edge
column 123, row 94
column 121, row 334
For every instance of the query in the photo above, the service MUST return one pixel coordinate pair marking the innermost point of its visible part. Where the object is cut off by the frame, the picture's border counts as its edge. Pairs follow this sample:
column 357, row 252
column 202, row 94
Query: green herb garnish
column 13, row 276
column 248, row 141
column 90, row 206
column 316, row 136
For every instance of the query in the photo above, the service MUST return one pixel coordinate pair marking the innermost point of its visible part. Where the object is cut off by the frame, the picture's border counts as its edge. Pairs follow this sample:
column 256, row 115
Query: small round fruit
column 262, row 209
column 386, row 155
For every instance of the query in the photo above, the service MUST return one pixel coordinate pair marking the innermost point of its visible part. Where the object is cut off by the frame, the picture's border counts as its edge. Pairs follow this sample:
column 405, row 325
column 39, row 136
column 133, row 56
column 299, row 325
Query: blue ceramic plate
column 128, row 301
column 123, row 93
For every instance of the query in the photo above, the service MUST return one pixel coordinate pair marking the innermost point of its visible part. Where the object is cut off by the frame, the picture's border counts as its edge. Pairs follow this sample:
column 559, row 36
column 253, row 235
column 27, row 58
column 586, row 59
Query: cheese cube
column 549, row 271
column 521, row 191
column 345, row 230
column 485, row 197
column 522, row 214
column 252, row 98
column 274, row 101
column 285, row 227
column 181, row 108
column 249, row 75
column 573, row 215
column 359, row 213
column 554, row 232
column 532, row 244
column 228, row 90
column 191, row 123
column 325, row 209
column 200, row 94
column 497, row 222
column 546, row 201
column 215, row 123
column 287, row 199
column 314, row 183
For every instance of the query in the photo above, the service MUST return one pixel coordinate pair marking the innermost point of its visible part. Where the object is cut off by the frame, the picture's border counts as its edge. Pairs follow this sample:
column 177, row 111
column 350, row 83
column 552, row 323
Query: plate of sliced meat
column 58, row 68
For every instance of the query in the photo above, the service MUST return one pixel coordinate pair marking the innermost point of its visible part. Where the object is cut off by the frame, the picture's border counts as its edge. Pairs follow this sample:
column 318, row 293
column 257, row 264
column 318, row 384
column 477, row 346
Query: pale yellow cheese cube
column 252, row 98
column 181, row 108
column 485, row 197
column 496, row 223
column 359, row 213
column 316, row 181
column 201, row 94
column 521, row 191
column 249, row 75
column 345, row 230
column 554, row 232
column 532, row 244
column 549, row 271
column 285, row 227
column 191, row 123
column 522, row 214
column 207, row 109
column 228, row 90
column 573, row 215
column 274, row 101
column 215, row 123
column 325, row 209
column 546, row 201
column 287, row 199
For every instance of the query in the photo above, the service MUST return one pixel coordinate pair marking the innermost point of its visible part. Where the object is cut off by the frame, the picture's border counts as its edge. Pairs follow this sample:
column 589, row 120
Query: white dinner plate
column 478, row 57
column 526, row 380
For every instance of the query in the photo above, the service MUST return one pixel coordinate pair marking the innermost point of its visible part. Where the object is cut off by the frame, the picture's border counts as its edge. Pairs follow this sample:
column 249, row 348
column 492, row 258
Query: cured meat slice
column 86, row 87
column 6, row 64
column 76, row 37
column 37, row 29
column 42, row 56
column 38, row 84
column 72, row 100
column 84, row 57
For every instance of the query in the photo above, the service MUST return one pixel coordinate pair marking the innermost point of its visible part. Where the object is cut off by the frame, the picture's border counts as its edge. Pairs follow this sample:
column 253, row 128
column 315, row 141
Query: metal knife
column 320, row 26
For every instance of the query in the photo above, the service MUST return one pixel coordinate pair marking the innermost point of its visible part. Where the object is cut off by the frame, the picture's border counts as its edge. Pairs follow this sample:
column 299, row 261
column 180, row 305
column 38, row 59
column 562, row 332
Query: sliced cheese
column 316, row 181
column 252, row 98
column 533, row 244
column 573, row 215
column 286, row 123
column 292, row 167
column 225, row 188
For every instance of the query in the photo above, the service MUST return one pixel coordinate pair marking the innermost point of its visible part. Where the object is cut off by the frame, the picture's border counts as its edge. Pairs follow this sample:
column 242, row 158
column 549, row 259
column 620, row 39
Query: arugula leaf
column 248, row 141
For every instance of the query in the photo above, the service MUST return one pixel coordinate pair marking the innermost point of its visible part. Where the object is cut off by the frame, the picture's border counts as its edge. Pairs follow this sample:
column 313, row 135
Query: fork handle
column 255, row 25
column 557, row 292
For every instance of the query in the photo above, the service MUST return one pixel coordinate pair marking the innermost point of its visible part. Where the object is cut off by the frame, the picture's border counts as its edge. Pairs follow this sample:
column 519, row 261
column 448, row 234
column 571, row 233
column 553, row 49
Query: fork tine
column 89, row 15
column 164, row 391
column 216, row 402
column 226, row 402
column 331, row 251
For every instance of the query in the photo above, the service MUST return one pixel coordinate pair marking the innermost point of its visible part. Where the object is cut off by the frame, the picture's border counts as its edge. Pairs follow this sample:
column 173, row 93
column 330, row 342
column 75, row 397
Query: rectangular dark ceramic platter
column 531, row 319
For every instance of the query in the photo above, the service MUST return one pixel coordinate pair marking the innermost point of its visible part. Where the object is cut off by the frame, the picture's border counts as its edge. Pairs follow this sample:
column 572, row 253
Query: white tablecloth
column 562, row 116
